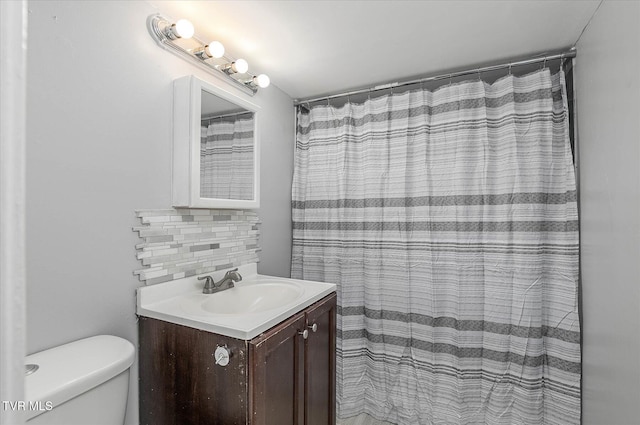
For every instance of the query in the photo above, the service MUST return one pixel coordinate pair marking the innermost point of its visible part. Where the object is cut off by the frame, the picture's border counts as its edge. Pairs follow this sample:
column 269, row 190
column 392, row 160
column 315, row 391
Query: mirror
column 217, row 143
column 226, row 149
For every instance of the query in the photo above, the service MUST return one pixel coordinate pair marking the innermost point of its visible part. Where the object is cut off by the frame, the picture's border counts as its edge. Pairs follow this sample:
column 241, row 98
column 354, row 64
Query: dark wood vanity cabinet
column 280, row 377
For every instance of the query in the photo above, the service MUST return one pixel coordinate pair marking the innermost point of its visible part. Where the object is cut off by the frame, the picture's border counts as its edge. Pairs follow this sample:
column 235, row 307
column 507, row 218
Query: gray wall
column 608, row 95
column 98, row 147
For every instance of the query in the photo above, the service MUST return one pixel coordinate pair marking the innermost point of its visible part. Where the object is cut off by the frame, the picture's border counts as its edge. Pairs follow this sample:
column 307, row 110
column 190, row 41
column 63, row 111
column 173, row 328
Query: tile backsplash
column 182, row 242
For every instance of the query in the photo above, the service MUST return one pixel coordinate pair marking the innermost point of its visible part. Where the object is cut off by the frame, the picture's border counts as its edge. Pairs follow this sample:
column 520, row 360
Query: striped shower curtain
column 448, row 220
column 226, row 158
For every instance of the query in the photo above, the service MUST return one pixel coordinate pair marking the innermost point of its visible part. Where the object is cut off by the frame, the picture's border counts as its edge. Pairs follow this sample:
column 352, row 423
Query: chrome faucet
column 211, row 287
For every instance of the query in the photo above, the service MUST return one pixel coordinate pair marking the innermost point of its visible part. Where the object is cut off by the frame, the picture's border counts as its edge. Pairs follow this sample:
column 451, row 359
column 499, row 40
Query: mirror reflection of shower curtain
column 226, row 158
column 448, row 220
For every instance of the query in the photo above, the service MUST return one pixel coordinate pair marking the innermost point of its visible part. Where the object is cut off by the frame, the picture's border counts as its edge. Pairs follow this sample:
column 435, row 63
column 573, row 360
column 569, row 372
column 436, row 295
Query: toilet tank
column 85, row 382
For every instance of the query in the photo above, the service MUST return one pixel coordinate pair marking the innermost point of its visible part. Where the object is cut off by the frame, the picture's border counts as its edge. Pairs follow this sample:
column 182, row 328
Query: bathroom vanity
column 193, row 370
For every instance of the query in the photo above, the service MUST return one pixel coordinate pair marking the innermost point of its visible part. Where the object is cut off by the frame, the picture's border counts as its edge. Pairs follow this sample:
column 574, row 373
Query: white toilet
column 85, row 382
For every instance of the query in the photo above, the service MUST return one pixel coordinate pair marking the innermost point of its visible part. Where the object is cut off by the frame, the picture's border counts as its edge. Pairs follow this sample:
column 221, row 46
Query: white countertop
column 163, row 301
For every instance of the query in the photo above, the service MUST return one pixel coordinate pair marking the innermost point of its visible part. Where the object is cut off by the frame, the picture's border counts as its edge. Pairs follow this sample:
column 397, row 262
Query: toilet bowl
column 85, row 382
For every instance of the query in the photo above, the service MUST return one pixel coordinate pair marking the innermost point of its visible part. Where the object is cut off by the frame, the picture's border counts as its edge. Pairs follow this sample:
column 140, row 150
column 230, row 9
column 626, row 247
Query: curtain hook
column 544, row 64
column 510, row 68
column 479, row 75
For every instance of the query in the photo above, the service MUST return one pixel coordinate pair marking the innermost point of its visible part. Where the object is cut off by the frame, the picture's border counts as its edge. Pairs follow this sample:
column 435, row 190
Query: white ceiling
column 312, row 48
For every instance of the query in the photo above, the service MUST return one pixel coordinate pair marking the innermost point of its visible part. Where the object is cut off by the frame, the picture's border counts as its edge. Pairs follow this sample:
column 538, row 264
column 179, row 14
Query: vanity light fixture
column 215, row 49
column 178, row 37
column 261, row 81
column 181, row 29
column 239, row 66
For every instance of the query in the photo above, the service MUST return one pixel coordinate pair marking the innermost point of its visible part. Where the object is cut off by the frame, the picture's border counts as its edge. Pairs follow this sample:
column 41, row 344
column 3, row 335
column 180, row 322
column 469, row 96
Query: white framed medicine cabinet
column 216, row 150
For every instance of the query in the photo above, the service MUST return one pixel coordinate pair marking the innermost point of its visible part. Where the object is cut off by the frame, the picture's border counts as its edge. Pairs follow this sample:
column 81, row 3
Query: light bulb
column 262, row 81
column 183, row 29
column 240, row 66
column 215, row 49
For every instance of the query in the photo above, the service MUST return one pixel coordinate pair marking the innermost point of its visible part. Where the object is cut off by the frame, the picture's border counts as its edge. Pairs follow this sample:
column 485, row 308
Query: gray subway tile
column 209, row 240
column 153, row 239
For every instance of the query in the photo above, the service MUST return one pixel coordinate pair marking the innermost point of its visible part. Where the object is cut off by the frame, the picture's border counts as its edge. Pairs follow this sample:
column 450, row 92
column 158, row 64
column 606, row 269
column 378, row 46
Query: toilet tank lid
column 71, row 369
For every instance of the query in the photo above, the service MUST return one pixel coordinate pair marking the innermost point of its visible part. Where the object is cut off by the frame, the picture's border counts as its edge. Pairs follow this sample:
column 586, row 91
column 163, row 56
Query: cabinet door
column 320, row 363
column 276, row 385
column 180, row 384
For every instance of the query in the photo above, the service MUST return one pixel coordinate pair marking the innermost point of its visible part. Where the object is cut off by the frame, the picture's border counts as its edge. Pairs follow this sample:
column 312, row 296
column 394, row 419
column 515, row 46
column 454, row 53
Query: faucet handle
column 207, row 278
column 209, row 284
column 233, row 275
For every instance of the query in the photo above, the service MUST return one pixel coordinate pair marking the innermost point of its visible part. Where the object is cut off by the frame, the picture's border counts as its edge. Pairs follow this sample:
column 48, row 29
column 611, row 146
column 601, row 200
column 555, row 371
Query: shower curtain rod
column 205, row 118
column 571, row 53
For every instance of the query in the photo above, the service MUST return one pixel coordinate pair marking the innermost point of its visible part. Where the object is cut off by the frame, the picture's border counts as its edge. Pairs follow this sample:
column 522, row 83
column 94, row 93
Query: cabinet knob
column 313, row 327
column 304, row 333
column 222, row 355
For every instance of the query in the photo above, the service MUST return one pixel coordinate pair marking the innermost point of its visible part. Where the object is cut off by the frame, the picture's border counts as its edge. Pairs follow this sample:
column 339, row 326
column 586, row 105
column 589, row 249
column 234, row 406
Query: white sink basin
column 243, row 299
column 254, row 305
